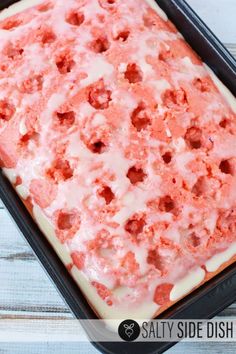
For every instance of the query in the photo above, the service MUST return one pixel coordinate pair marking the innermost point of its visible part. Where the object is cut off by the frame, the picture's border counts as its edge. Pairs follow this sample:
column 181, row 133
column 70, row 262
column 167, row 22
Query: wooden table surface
column 25, row 289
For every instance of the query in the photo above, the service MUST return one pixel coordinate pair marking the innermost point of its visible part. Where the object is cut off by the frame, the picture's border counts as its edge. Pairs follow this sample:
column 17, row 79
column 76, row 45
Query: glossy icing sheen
column 122, row 144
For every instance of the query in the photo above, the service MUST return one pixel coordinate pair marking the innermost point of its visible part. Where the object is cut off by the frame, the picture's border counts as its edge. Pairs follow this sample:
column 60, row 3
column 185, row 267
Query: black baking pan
column 204, row 302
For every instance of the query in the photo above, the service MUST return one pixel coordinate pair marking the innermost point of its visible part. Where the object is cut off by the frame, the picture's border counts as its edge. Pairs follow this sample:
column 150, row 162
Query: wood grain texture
column 25, row 290
column 219, row 15
column 232, row 48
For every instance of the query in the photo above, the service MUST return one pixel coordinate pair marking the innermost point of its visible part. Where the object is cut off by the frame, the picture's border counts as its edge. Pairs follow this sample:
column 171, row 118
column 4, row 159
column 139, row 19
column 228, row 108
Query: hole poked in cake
column 11, row 24
column 47, row 36
column 25, row 139
column 13, row 51
column 200, row 187
column 154, row 258
column 167, row 157
column 107, row 4
column 228, row 123
column 78, row 259
column 3, row 67
column 193, row 137
column 167, row 204
column 135, row 225
column 99, row 96
column 65, row 63
column 128, row 264
column 7, row 110
column 136, row 175
column 227, row 167
column 60, row 170
column 133, row 73
column 224, row 123
column 165, row 55
column 66, row 119
column 104, row 293
column 148, row 20
column 193, row 240
column 152, row 19
column 32, row 84
column 107, row 194
column 45, row 7
column 122, row 36
column 173, row 98
column 97, row 147
column 65, row 220
column 202, row 84
column 140, row 118
column 164, row 255
column 226, row 222
column 67, row 223
column 162, row 293
column 75, row 18
column 100, row 45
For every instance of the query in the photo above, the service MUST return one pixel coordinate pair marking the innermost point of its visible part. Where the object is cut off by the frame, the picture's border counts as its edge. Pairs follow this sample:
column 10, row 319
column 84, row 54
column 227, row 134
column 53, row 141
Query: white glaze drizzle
column 220, row 258
column 186, row 284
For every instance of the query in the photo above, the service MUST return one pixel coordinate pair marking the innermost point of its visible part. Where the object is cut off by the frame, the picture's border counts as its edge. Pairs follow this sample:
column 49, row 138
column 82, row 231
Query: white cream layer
column 18, row 7
column 186, row 284
column 49, row 232
column 219, row 259
column 147, row 310
column 223, row 89
column 157, row 8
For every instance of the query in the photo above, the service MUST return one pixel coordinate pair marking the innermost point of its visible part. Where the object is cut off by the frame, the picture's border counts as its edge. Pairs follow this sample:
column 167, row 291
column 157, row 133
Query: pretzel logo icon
column 129, row 330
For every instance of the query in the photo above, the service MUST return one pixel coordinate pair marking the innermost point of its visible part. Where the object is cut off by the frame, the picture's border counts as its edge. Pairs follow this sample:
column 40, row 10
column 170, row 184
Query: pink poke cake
column 122, row 144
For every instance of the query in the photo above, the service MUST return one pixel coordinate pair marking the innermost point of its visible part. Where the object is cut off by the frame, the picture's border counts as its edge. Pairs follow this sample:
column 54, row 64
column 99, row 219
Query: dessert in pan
column 121, row 143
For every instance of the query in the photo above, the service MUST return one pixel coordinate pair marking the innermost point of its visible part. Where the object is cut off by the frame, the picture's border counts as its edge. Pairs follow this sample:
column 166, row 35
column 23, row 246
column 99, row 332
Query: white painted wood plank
column 219, row 16
column 48, row 348
column 11, row 241
column 48, row 313
column 86, row 348
column 232, row 49
column 26, row 290
column 203, row 348
column 24, row 285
